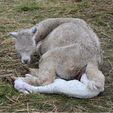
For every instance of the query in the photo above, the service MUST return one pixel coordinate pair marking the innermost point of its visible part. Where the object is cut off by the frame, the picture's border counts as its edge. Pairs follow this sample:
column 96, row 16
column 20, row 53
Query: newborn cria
column 66, row 46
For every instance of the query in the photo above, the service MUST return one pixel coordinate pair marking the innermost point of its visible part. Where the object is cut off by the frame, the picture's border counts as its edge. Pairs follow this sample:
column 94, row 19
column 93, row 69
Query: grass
column 17, row 14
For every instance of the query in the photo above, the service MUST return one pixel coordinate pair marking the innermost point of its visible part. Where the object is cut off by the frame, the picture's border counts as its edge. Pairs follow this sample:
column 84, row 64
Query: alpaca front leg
column 96, row 77
column 42, row 77
column 34, row 72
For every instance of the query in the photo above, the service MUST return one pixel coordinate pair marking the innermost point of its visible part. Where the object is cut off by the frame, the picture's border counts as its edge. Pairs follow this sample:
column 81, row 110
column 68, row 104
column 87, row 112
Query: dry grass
column 17, row 14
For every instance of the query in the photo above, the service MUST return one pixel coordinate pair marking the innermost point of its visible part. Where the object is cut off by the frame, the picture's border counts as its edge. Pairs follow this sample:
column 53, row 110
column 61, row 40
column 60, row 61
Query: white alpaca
column 72, row 88
column 66, row 46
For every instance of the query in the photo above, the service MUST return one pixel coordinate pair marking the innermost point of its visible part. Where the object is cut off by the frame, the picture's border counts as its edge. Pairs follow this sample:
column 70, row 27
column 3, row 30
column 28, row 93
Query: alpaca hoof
column 28, row 75
column 19, row 85
column 95, row 86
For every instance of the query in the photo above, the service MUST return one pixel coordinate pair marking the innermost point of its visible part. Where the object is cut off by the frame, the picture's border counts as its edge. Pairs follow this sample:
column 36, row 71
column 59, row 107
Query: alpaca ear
column 13, row 34
column 34, row 30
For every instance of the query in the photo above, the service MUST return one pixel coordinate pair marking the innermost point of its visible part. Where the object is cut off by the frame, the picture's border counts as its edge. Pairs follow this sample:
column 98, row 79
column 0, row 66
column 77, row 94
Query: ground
column 17, row 14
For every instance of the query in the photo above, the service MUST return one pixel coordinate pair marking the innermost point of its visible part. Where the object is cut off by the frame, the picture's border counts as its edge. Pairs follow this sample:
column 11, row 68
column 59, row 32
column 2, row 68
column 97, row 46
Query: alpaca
column 66, row 46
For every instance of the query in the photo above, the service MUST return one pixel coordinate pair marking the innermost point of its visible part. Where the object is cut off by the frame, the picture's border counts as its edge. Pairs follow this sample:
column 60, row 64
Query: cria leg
column 44, row 75
column 96, row 77
column 72, row 88
column 34, row 72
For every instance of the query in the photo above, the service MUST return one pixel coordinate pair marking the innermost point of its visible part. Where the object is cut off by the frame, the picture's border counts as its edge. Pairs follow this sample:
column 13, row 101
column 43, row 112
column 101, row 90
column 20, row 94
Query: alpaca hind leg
column 72, row 88
column 96, row 77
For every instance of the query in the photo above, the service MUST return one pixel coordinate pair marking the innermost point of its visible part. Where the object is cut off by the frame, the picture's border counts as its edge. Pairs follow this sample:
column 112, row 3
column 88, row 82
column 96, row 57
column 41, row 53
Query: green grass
column 27, row 6
column 17, row 14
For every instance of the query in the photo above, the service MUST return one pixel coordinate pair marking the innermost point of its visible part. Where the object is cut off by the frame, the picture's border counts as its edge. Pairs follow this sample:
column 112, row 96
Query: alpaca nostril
column 25, row 61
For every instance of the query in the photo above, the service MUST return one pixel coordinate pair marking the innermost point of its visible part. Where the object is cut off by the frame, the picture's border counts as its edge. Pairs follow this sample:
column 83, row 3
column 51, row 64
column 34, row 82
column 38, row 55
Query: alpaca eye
column 20, row 50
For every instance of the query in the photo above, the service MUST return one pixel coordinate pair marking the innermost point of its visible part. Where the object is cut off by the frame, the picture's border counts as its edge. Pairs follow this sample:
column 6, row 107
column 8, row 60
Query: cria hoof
column 95, row 86
column 28, row 75
column 19, row 85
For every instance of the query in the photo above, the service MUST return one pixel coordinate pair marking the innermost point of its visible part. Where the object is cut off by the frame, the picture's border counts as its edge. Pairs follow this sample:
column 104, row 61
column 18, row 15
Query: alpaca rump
column 65, row 46
column 72, row 88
